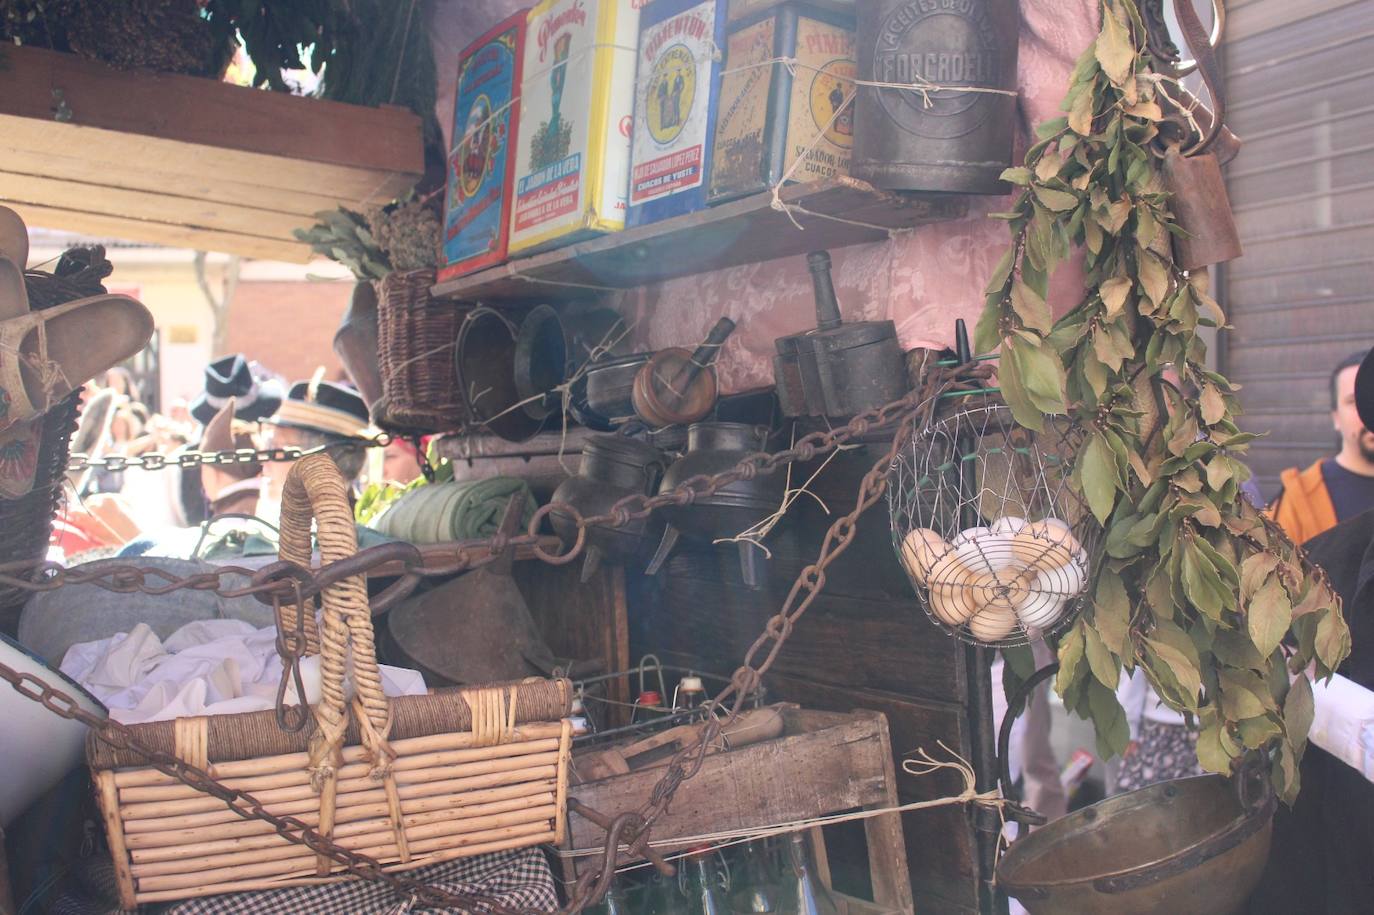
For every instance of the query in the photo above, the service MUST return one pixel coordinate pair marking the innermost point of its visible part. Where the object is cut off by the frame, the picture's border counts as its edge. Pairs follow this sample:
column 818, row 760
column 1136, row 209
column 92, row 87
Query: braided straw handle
column 315, row 491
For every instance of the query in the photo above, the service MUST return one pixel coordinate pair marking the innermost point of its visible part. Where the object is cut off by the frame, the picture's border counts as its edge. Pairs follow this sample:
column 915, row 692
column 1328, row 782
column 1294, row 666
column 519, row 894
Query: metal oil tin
column 676, row 92
column 766, row 118
column 960, row 141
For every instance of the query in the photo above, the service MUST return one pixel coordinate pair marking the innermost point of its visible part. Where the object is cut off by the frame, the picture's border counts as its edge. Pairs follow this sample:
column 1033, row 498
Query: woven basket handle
column 315, row 491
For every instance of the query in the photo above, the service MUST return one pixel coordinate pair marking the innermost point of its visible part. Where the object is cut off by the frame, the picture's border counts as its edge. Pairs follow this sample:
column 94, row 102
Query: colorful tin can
column 480, row 166
column 676, row 89
column 769, row 119
column 576, row 105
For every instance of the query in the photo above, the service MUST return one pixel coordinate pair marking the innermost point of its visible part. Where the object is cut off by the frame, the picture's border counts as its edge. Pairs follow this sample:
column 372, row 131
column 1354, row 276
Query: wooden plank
column 161, row 233
column 585, row 622
column 1252, row 19
column 744, row 231
column 150, row 205
column 59, row 164
column 828, row 763
column 276, row 138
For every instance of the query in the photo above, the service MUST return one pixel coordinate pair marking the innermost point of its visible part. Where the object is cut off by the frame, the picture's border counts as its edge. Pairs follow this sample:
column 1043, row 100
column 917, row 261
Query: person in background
column 315, row 414
column 400, row 461
column 1333, row 489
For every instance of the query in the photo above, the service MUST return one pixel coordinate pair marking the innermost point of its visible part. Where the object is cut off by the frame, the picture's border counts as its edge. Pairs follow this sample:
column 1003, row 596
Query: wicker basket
column 410, row 781
column 416, row 335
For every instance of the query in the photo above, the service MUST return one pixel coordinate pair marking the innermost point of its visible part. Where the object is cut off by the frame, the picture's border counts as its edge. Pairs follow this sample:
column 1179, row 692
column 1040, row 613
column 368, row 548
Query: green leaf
column 1333, row 639
column 1298, row 710
column 1112, row 612
column 1243, row 694
column 1071, row 649
column 1115, row 52
column 1042, row 375
column 1100, row 660
column 1183, row 667
column 1114, row 293
column 1219, row 471
column 1268, row 616
column 1258, row 731
column 1097, row 470
column 1154, row 279
column 986, row 334
column 997, row 282
column 1213, row 405
column 1201, row 583
column 1019, row 175
column 1234, row 649
column 1058, row 201
column 1023, row 410
column 1033, row 311
column 1109, row 720
column 1211, row 752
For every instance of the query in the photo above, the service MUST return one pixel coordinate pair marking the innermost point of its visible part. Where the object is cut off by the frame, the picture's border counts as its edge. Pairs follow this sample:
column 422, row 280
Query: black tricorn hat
column 1364, row 390
column 323, row 406
column 229, row 377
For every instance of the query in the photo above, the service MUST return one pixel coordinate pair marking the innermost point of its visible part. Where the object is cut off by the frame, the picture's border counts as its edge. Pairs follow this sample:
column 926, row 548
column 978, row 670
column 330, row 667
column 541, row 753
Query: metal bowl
column 1184, row 846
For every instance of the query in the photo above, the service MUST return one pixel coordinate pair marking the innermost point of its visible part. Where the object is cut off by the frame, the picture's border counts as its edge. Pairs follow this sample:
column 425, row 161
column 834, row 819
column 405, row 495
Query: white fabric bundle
column 1343, row 724
column 209, row 667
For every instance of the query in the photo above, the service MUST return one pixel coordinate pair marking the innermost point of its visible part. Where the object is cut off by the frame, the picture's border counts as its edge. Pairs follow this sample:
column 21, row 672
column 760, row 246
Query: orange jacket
column 1303, row 507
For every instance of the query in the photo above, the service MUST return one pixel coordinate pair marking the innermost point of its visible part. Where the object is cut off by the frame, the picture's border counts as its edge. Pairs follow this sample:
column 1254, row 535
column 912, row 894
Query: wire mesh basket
column 994, row 538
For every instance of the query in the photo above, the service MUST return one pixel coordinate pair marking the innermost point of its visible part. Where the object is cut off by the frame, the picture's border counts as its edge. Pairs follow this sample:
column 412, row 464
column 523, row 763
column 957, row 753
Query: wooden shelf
column 743, row 231
column 185, row 161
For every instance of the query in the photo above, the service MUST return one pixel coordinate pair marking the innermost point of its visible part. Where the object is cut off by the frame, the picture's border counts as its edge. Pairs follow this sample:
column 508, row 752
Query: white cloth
column 209, row 667
column 1142, row 703
column 1343, row 723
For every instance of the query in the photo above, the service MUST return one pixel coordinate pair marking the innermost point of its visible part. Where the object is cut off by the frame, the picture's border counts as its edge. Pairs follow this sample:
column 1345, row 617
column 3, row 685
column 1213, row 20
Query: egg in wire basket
column 994, row 539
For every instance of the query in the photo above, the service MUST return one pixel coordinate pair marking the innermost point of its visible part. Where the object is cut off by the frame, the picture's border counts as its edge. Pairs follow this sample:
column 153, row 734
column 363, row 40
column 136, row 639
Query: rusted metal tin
column 939, row 140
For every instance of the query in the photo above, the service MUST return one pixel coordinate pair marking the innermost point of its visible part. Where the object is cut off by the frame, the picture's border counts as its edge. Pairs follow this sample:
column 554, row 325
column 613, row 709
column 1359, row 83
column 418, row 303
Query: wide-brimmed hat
column 325, row 407
column 231, row 376
column 1364, row 390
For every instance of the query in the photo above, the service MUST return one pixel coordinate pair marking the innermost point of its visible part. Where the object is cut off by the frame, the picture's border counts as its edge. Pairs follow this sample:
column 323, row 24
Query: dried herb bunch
column 408, row 231
column 1194, row 585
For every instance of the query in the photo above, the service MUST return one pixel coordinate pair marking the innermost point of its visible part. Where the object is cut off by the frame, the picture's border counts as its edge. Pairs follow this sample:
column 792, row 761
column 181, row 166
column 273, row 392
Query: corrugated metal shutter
column 1300, row 81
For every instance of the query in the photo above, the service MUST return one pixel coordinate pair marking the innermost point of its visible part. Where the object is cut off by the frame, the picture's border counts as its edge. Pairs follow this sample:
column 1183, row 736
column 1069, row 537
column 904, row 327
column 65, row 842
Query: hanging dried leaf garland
column 1195, row 587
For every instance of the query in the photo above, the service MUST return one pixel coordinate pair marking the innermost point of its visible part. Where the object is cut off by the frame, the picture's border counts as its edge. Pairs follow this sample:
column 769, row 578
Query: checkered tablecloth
column 519, row 879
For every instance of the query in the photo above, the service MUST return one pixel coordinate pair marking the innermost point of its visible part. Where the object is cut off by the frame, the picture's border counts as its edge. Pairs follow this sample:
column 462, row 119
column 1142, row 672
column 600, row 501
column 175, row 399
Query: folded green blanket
column 453, row 511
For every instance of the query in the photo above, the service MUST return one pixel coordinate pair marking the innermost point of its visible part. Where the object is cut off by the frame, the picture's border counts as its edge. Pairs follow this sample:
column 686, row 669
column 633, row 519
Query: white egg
column 951, row 592
column 998, row 551
column 968, row 535
column 1008, row 525
column 992, row 624
column 1046, row 544
column 920, row 550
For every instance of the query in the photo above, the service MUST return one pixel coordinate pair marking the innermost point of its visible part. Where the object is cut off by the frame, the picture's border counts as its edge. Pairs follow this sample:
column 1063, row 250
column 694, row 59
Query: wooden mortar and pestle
column 675, row 387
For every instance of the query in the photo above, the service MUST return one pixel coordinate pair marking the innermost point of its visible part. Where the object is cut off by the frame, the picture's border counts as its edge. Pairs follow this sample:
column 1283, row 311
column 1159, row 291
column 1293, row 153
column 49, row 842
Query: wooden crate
column 825, row 762
column 186, row 161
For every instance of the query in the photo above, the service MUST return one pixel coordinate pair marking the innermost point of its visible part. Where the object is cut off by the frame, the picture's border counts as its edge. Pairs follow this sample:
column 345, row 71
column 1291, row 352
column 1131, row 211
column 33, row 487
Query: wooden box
column 576, row 102
column 481, row 165
column 824, row 763
column 676, row 90
column 769, row 118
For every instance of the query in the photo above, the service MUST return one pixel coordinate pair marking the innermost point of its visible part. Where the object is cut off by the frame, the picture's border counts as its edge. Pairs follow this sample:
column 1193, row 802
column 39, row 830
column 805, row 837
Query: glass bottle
column 803, row 893
column 691, row 693
column 755, row 890
column 705, row 895
column 648, row 707
column 615, row 902
column 662, row 896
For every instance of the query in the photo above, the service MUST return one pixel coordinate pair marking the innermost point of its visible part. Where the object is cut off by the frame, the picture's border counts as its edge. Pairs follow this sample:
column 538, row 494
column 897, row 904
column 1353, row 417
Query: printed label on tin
column 556, row 94
column 479, row 161
column 671, row 103
column 822, row 110
column 742, row 115
column 947, row 43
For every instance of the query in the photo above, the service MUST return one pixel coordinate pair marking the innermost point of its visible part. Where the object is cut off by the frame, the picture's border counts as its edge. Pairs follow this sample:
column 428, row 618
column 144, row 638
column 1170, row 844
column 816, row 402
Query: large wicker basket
column 410, row 781
column 416, row 335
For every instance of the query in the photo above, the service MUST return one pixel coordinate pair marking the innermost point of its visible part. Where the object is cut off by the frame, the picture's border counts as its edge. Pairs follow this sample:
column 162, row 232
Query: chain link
column 284, row 582
column 116, row 463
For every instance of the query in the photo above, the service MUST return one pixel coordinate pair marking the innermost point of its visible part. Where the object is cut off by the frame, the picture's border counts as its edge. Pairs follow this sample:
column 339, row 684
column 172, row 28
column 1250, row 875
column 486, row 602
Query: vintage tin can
column 676, row 91
column 961, row 141
column 767, row 120
column 576, row 102
column 480, row 166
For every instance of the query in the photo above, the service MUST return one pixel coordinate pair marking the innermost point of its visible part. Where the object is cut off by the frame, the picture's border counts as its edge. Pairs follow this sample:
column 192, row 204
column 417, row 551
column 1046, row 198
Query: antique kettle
column 837, row 369
column 714, row 447
column 613, row 467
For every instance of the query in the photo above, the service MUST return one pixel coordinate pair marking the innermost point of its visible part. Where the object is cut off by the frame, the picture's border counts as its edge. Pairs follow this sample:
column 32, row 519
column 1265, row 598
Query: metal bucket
column 485, row 366
column 1190, row 845
column 944, row 139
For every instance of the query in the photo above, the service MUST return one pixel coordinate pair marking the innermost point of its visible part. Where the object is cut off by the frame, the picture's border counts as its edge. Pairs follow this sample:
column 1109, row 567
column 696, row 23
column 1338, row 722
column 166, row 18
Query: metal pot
column 550, row 347
column 612, row 468
column 485, row 364
column 1189, row 845
column 713, row 448
column 355, row 342
column 606, row 397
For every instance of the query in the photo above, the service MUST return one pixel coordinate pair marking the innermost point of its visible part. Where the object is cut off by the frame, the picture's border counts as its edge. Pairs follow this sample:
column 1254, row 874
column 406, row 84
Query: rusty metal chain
column 116, row 463
column 287, row 582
